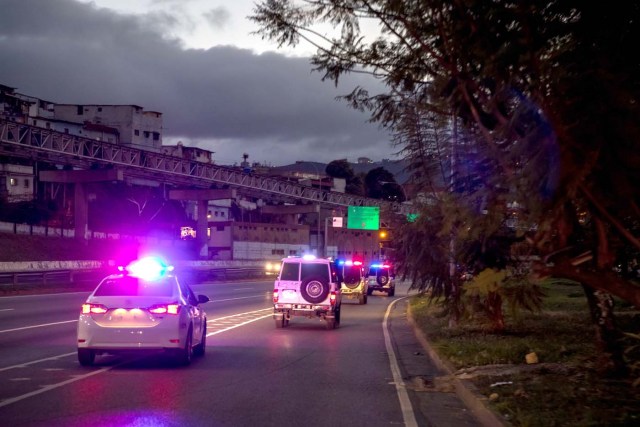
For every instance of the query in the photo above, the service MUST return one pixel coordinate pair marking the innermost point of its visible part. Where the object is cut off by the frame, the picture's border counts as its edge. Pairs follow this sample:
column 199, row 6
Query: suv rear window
column 309, row 270
column 289, row 271
column 351, row 274
column 131, row 286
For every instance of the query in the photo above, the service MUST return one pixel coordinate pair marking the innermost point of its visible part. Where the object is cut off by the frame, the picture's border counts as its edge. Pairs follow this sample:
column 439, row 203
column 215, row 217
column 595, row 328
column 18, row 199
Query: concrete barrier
column 40, row 266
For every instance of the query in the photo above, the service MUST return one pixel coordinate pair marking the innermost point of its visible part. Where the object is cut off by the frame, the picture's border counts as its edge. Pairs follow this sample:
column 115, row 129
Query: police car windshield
column 132, row 286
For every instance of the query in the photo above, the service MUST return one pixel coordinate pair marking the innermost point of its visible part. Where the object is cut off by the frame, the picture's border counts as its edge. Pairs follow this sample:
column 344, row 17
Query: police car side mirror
column 203, row 299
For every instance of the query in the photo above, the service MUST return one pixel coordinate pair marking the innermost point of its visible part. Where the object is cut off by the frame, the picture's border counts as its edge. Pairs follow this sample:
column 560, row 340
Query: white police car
column 144, row 307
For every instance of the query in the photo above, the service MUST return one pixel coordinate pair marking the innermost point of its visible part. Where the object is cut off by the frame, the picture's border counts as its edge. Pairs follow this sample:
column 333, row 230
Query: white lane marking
column 22, row 365
column 231, row 299
column 238, row 314
column 238, row 325
column 37, row 326
column 6, row 309
column 229, row 320
column 44, row 389
column 401, row 389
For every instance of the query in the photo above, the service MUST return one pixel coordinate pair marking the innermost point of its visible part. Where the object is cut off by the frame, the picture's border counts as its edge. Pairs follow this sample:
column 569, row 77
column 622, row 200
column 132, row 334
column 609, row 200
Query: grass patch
column 565, row 389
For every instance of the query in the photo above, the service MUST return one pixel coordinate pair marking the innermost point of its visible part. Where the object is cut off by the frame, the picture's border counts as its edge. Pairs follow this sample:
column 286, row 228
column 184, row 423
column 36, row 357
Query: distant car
column 142, row 308
column 271, row 267
column 351, row 276
column 307, row 287
column 380, row 277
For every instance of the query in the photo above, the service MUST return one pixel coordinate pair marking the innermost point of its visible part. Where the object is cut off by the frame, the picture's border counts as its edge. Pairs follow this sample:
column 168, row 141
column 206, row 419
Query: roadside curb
column 465, row 390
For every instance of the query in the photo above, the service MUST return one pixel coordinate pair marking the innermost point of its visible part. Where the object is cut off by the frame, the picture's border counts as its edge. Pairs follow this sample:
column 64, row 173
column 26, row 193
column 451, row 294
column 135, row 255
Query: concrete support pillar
column 80, row 179
column 201, row 229
column 202, row 198
column 80, row 212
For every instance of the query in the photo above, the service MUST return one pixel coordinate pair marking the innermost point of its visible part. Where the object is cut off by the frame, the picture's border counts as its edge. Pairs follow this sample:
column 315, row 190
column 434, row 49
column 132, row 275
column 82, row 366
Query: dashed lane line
column 37, row 326
column 251, row 316
column 33, row 362
column 220, row 323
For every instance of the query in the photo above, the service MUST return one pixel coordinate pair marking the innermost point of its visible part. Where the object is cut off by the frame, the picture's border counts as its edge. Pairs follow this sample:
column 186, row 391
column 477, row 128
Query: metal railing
column 22, row 140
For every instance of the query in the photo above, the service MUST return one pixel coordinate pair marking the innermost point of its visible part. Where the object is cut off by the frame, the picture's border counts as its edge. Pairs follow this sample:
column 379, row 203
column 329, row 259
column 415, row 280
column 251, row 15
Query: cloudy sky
column 218, row 86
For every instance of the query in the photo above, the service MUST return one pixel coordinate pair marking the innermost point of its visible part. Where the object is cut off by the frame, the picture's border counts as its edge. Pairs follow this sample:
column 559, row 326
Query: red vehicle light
column 165, row 309
column 275, row 295
column 333, row 297
column 93, row 309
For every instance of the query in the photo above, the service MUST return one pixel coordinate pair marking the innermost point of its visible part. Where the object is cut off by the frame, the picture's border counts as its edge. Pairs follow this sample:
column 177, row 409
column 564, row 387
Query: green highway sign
column 363, row 217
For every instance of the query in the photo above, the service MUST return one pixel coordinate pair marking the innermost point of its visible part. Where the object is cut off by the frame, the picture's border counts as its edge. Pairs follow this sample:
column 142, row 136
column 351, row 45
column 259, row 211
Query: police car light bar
column 148, row 268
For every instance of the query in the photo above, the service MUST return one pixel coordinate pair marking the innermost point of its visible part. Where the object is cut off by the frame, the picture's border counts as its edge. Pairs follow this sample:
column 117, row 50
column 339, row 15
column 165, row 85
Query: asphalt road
column 252, row 374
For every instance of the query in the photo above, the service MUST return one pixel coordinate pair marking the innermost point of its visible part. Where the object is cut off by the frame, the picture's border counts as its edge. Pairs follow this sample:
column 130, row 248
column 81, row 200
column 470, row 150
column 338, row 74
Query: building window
column 136, row 132
column 79, row 110
column 146, row 134
column 156, row 136
column 35, row 123
column 13, row 182
column 100, row 109
column 26, row 183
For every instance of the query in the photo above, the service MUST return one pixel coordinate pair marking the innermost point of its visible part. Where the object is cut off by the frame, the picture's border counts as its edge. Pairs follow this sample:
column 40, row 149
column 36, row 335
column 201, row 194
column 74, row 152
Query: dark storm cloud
column 76, row 53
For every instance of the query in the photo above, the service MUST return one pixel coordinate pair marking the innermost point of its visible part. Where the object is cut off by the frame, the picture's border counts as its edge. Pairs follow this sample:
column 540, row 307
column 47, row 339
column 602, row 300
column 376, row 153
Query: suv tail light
column 93, row 309
column 333, row 296
column 165, row 308
column 275, row 295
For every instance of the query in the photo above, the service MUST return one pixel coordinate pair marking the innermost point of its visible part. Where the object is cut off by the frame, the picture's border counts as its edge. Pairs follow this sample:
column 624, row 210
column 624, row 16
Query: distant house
column 16, row 183
column 12, row 106
column 188, row 153
column 85, row 130
column 135, row 127
column 311, row 174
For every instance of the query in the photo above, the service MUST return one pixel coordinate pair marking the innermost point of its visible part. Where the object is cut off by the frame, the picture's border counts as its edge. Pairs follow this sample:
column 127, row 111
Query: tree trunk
column 610, row 352
column 496, row 315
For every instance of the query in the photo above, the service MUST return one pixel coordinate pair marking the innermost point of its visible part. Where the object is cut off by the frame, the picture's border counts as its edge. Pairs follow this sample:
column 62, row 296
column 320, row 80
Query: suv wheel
column 280, row 322
column 352, row 284
column 392, row 291
column 362, row 299
column 314, row 289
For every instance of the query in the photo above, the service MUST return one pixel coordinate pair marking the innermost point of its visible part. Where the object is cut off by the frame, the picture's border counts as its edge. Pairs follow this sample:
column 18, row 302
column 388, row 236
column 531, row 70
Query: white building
column 136, row 127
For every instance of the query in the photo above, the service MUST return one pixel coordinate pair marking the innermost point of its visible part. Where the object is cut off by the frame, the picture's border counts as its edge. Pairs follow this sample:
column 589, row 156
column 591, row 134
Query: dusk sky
column 218, row 86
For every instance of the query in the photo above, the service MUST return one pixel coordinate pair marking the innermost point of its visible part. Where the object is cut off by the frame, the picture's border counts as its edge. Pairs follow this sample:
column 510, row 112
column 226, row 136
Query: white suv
column 307, row 287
